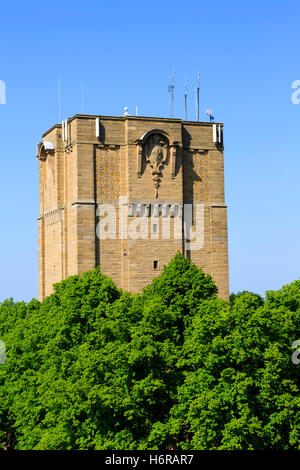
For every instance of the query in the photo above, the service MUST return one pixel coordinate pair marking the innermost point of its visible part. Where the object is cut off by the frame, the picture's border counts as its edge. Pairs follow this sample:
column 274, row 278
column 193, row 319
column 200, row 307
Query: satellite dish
column 210, row 114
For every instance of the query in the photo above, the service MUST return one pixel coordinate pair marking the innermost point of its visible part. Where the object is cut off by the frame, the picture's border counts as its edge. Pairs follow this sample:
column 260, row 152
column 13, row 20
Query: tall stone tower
column 127, row 193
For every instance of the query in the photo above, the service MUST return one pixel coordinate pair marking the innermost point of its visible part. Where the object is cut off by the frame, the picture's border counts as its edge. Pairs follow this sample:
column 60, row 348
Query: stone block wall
column 156, row 166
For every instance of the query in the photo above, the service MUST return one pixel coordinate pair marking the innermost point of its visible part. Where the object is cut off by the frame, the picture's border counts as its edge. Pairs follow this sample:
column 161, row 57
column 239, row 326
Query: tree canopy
column 92, row 367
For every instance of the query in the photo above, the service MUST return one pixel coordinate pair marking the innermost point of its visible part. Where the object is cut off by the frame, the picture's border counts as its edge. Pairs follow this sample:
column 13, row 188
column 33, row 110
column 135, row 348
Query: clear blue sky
column 124, row 53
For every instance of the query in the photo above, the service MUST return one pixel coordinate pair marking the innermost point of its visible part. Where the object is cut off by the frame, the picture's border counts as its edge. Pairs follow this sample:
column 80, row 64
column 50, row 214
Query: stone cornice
column 133, row 118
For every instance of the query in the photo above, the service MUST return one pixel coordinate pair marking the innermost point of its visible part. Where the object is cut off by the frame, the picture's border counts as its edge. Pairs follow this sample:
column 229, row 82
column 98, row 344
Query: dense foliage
column 92, row 367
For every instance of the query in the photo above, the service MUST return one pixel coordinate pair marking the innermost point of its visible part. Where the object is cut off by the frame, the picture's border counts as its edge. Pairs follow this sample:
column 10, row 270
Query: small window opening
column 155, row 264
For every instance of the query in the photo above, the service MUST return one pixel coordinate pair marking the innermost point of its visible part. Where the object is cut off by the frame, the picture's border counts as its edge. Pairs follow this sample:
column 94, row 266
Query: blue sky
column 123, row 53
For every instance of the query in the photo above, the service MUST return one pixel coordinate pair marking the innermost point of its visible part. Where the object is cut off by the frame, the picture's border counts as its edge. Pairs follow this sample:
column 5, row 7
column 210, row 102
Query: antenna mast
column 197, row 97
column 171, row 95
column 185, row 97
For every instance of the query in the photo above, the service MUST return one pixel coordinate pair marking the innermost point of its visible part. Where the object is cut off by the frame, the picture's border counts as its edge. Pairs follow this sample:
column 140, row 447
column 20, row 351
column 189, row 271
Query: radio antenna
column 197, row 90
column 171, row 94
column 185, row 97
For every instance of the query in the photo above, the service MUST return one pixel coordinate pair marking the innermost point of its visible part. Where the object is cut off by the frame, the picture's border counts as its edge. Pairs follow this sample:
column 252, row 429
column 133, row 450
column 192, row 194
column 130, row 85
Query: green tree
column 92, row 367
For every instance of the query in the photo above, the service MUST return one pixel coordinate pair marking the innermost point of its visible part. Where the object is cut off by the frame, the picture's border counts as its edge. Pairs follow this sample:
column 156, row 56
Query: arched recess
column 44, row 149
column 47, row 170
column 146, row 135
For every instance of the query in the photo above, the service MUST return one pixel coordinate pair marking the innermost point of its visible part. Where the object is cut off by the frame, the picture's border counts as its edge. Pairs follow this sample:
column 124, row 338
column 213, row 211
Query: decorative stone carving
column 156, row 154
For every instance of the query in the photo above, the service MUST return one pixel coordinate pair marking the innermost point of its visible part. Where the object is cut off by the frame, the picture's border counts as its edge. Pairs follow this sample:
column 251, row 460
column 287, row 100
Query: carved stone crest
column 156, row 154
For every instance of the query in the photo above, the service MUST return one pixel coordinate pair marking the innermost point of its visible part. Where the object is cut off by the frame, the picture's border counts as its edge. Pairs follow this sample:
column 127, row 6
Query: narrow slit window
column 155, row 264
